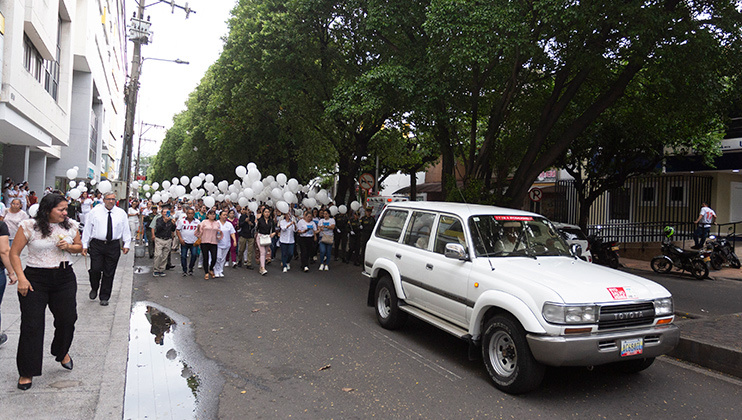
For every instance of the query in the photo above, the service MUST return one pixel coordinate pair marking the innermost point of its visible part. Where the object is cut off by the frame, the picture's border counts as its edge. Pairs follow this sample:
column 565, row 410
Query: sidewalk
column 95, row 388
column 713, row 342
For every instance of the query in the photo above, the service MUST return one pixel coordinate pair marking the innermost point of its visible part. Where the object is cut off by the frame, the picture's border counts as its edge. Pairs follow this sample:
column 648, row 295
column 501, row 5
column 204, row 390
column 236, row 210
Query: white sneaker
column 306, row 269
column 200, row 265
column 288, row 266
column 327, row 268
column 234, row 263
column 285, row 269
column 321, row 267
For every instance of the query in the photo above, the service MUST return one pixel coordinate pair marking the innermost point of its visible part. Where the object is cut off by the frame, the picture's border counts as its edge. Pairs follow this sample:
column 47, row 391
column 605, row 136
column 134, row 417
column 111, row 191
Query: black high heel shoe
column 69, row 365
column 24, row 387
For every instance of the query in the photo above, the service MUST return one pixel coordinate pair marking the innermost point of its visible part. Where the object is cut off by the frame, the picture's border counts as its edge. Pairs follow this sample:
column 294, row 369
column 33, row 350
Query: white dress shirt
column 96, row 225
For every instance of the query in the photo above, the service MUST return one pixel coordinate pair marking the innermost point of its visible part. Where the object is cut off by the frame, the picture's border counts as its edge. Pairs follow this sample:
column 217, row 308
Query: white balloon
column 155, row 186
column 197, row 181
column 276, row 193
column 181, row 190
column 252, row 165
column 82, row 188
column 135, row 185
column 175, row 181
column 342, row 209
column 72, row 184
column 283, row 206
column 77, row 168
column 184, row 180
column 355, row 205
column 249, row 193
column 240, row 171
column 202, row 176
column 220, row 197
column 293, row 185
column 33, row 210
column 333, row 210
column 209, row 202
column 254, row 174
column 321, row 196
column 223, row 185
column 93, row 181
column 311, row 193
column 72, row 173
column 253, row 206
column 257, row 186
column 147, row 194
column 233, row 197
column 289, row 197
column 281, row 179
column 271, row 179
column 75, row 193
column 243, row 201
column 105, row 186
column 269, row 203
column 166, row 184
column 298, row 212
column 165, row 196
column 312, row 202
column 156, row 198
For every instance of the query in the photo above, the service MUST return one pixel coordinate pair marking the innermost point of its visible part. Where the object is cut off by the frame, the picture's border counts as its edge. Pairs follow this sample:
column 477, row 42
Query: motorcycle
column 694, row 262
column 604, row 252
column 721, row 252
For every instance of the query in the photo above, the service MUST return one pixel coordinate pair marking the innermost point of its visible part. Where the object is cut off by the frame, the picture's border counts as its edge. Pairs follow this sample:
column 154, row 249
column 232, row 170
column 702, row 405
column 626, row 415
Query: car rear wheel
column 387, row 305
column 508, row 357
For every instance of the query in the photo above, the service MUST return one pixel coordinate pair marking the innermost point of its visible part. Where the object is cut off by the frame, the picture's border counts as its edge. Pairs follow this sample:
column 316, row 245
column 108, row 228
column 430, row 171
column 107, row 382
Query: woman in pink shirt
column 209, row 232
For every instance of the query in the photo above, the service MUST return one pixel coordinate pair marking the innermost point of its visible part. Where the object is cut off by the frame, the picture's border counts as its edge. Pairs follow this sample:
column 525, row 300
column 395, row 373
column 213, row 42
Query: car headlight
column 663, row 307
column 557, row 313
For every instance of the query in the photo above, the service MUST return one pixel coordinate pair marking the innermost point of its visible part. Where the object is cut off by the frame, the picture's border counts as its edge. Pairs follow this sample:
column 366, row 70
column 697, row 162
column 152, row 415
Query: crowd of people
column 229, row 235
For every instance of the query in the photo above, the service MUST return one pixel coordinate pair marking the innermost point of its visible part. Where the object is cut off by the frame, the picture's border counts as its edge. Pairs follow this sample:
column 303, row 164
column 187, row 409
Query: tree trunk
column 413, row 185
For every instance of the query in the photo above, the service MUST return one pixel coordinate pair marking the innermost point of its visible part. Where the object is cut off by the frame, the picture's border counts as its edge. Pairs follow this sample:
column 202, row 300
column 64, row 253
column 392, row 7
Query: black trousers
column 340, row 245
column 306, row 245
column 354, row 249
column 104, row 257
column 209, row 251
column 56, row 288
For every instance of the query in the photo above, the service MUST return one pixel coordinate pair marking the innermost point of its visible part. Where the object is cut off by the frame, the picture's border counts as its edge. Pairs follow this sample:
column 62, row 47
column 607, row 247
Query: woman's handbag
column 198, row 242
column 326, row 239
column 264, row 240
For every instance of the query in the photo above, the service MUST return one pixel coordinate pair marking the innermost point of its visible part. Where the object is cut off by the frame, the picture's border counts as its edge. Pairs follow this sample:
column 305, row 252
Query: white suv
column 506, row 281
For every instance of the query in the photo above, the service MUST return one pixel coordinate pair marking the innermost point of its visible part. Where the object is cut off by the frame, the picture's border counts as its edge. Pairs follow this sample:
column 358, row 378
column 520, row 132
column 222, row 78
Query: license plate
column 707, row 259
column 614, row 248
column 632, row 347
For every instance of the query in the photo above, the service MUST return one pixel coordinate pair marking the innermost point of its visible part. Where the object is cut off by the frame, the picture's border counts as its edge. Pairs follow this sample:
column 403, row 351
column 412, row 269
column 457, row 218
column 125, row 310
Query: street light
column 131, row 104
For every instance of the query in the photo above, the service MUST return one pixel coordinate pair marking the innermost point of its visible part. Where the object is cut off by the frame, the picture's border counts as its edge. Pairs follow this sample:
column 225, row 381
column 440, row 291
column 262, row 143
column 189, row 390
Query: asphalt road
column 305, row 345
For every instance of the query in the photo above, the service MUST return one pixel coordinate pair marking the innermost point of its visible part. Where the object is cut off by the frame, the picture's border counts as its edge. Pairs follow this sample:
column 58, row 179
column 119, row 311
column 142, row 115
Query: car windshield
column 507, row 236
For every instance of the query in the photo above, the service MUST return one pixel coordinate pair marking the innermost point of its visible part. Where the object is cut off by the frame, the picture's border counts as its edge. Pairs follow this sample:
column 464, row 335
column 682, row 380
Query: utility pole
column 138, row 34
column 139, row 146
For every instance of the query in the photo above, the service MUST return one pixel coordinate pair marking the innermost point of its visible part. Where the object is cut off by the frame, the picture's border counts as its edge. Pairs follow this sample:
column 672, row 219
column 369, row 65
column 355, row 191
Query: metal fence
column 654, row 231
column 645, row 199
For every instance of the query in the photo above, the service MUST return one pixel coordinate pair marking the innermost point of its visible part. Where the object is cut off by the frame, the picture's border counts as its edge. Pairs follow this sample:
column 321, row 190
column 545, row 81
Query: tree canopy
column 311, row 87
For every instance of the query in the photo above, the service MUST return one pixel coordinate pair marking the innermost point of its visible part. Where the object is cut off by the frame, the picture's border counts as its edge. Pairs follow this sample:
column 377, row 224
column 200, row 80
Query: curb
column 712, row 356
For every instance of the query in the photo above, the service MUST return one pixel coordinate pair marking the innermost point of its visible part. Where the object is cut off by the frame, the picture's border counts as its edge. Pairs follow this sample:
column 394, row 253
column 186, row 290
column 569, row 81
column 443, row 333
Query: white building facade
column 62, row 89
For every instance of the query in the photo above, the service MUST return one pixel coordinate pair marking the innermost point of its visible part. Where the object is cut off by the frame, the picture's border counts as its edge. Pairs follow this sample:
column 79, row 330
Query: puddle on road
column 167, row 377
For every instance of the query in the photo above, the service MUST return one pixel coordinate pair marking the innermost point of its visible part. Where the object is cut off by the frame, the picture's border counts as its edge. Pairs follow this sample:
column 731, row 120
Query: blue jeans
column 274, row 247
column 325, row 251
column 3, row 280
column 287, row 251
column 184, row 257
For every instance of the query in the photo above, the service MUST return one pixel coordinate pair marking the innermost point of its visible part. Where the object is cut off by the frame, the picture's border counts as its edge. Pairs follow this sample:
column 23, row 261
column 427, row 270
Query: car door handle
column 399, row 256
column 429, row 266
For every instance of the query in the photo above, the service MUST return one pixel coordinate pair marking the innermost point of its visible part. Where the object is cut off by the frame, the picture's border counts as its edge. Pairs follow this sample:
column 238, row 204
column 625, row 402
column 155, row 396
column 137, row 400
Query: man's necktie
column 109, row 232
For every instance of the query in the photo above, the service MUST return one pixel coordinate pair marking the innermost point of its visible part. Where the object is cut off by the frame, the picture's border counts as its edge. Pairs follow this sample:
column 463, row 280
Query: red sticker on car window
column 516, row 218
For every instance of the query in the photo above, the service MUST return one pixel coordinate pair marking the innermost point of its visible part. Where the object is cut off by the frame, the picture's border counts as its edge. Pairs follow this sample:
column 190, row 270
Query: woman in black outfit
column 266, row 227
column 48, row 280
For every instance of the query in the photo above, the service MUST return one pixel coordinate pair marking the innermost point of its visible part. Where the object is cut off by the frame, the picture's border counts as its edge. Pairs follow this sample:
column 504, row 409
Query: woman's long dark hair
column 46, row 206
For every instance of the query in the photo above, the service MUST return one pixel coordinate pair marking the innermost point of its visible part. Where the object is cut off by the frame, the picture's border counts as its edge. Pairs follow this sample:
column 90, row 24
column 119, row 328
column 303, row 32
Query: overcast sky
column 164, row 86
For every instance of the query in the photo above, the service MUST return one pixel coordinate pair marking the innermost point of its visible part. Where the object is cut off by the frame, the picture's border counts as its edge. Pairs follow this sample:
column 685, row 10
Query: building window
column 648, row 196
column 93, row 152
column 45, row 72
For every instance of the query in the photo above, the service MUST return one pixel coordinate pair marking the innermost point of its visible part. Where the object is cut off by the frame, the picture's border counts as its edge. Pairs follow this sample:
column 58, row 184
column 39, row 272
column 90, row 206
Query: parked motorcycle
column 694, row 262
column 721, row 252
column 603, row 252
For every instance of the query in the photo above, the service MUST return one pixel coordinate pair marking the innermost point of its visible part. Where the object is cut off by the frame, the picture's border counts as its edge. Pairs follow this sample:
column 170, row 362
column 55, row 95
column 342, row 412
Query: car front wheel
column 508, row 357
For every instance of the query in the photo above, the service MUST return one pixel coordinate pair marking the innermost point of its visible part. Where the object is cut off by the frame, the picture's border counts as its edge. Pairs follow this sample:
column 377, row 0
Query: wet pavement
column 167, row 375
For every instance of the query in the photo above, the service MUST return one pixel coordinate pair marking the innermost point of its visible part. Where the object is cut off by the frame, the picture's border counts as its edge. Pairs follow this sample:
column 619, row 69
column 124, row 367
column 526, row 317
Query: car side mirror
column 576, row 250
column 456, row 251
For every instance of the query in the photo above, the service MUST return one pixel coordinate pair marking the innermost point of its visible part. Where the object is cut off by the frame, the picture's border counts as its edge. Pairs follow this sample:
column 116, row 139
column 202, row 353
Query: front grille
column 623, row 316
